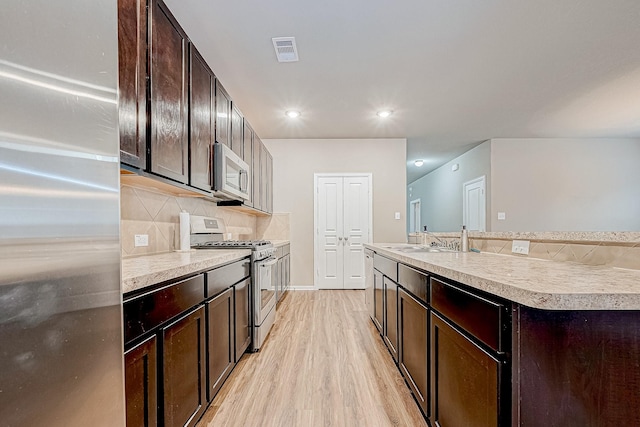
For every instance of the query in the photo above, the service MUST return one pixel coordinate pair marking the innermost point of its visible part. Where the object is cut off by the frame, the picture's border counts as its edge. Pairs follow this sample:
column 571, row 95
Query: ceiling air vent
column 285, row 47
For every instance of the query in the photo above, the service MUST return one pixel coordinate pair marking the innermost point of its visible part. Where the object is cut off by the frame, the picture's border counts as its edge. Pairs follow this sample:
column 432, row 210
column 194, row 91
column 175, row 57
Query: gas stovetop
column 248, row 244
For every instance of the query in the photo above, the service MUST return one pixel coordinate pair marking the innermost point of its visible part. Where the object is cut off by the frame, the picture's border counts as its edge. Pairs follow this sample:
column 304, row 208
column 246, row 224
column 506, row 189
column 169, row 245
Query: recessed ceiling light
column 419, row 163
column 384, row 113
column 292, row 114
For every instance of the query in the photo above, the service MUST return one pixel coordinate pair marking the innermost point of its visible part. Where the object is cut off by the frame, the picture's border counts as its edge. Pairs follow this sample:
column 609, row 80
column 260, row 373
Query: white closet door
column 343, row 226
column 356, row 229
column 329, row 233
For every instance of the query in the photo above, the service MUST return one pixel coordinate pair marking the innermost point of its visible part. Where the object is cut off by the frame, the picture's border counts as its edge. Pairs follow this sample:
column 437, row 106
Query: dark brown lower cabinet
column 183, row 369
column 141, row 384
column 465, row 380
column 378, row 300
column 391, row 310
column 242, row 331
column 413, row 346
column 220, row 341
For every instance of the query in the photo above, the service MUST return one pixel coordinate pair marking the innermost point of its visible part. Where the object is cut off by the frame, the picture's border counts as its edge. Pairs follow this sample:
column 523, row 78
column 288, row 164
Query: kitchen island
column 539, row 342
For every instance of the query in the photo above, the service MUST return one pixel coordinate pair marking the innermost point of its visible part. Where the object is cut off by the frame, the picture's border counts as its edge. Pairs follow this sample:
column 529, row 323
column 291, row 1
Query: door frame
column 316, row 249
column 483, row 210
column 413, row 217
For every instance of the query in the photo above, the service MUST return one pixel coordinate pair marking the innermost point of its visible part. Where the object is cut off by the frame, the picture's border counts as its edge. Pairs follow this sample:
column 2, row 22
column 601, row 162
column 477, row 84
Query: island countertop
column 542, row 284
column 142, row 271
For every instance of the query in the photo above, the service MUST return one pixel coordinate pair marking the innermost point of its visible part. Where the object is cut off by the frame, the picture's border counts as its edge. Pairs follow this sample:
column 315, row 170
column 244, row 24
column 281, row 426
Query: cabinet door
column 464, row 380
column 223, row 115
column 169, row 81
column 391, row 316
column 201, row 103
column 132, row 81
column 269, row 185
column 237, row 127
column 243, row 333
column 257, row 172
column 183, row 368
column 378, row 300
column 287, row 271
column 247, row 156
column 141, row 388
column 413, row 344
column 220, row 355
column 264, row 176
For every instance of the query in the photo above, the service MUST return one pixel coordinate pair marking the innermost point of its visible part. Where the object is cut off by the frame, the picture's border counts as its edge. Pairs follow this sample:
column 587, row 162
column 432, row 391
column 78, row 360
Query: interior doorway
column 474, row 203
column 414, row 216
column 343, row 224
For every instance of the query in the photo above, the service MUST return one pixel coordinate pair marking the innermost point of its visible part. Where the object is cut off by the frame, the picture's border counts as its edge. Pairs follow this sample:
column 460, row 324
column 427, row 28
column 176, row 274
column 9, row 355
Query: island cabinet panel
column 201, row 116
column 478, row 316
column 465, row 380
column 140, row 364
column 413, row 346
column 577, row 368
column 220, row 355
column 391, row 317
column 183, row 369
column 132, row 81
column 378, row 300
column 169, row 81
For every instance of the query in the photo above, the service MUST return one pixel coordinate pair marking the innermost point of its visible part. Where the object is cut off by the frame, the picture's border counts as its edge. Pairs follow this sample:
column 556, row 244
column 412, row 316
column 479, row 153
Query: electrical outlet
column 502, row 216
column 520, row 247
column 397, row 215
column 141, row 240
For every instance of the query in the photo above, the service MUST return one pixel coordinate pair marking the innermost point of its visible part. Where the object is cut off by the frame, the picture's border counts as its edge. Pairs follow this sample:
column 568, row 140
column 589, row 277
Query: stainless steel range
column 208, row 233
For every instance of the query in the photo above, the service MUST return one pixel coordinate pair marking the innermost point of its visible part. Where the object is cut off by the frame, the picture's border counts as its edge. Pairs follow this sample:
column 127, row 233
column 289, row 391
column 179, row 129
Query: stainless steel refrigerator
column 60, row 300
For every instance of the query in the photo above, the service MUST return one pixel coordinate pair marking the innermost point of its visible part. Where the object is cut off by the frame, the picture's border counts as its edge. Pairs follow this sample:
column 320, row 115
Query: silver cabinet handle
column 346, row 238
column 340, row 238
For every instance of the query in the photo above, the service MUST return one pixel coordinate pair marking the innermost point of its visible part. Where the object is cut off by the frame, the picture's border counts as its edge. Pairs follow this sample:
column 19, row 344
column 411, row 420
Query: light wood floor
column 323, row 364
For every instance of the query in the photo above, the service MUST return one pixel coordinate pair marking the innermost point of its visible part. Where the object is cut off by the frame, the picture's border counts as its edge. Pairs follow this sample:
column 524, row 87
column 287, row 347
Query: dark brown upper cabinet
column 169, row 80
column 201, row 117
column 247, row 156
column 223, row 115
column 237, row 123
column 132, row 81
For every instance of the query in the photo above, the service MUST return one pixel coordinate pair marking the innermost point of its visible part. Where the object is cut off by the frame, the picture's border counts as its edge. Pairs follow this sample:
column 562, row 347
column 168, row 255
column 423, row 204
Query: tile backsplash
column 274, row 227
column 156, row 214
column 616, row 249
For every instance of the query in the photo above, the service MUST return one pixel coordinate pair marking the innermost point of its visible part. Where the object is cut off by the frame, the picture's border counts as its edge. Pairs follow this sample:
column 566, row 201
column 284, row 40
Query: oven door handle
column 268, row 263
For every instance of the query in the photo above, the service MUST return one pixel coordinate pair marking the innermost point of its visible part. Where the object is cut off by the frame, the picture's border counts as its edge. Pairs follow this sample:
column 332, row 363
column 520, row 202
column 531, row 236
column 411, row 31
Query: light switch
column 397, row 216
column 502, row 216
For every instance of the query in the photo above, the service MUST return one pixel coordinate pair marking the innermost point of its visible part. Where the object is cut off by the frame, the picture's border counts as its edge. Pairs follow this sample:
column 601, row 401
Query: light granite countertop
column 549, row 285
column 140, row 272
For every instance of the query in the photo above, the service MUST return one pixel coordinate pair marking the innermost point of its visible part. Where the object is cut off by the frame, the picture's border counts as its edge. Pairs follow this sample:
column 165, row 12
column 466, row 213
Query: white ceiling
column 455, row 72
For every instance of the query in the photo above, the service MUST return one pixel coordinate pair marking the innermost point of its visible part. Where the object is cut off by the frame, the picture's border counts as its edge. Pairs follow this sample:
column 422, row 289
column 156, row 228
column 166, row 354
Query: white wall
column 440, row 191
column 295, row 161
column 565, row 184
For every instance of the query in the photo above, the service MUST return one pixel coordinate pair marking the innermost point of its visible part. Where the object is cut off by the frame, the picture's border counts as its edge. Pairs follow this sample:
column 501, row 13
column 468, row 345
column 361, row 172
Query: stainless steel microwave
column 230, row 174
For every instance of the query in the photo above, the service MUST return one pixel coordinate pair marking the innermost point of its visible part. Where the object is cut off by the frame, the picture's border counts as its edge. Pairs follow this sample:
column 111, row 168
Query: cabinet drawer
column 143, row 313
column 226, row 276
column 414, row 281
column 477, row 316
column 386, row 266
